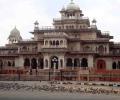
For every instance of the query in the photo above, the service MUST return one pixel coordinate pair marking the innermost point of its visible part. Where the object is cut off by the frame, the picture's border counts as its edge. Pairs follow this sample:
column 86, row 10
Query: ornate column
column 20, row 62
column 72, row 63
column 90, row 61
column 46, row 62
column 61, row 57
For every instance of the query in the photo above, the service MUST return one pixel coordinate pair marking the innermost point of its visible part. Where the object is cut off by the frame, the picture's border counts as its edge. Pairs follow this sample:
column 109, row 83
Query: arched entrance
column 40, row 63
column 46, row 63
column 118, row 66
column 9, row 63
column 61, row 63
column 13, row 63
column 114, row 65
column 84, row 62
column 54, row 62
column 69, row 62
column 76, row 62
column 57, row 43
column 101, row 49
column 1, row 64
column 34, row 63
column 26, row 62
column 101, row 64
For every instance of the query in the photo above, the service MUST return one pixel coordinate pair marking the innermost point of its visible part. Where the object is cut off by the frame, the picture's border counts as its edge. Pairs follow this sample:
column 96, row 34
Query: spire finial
column 71, row 1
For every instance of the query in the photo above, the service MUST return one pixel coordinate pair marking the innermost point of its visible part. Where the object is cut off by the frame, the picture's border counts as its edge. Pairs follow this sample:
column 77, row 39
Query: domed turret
column 14, row 36
column 36, row 26
column 94, row 24
column 63, row 9
column 72, row 6
column 94, row 21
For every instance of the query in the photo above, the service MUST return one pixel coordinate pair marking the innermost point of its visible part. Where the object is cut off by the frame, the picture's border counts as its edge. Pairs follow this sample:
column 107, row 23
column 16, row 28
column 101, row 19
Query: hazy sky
column 23, row 13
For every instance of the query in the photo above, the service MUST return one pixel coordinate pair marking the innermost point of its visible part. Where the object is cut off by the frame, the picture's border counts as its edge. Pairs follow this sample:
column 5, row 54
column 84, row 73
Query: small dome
column 72, row 6
column 36, row 22
column 63, row 8
column 15, row 33
column 94, row 21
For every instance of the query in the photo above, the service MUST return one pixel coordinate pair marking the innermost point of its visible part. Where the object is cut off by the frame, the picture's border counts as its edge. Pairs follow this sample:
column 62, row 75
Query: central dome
column 72, row 6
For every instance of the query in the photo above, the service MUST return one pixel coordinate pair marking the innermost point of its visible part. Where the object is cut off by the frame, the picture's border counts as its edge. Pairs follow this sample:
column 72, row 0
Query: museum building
column 72, row 43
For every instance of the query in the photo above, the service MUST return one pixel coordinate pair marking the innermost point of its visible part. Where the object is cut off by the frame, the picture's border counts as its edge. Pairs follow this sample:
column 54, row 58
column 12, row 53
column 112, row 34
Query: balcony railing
column 46, row 28
column 78, row 18
column 27, row 51
column 55, row 34
column 117, row 44
column 106, row 33
column 8, row 53
column 54, row 50
column 54, row 46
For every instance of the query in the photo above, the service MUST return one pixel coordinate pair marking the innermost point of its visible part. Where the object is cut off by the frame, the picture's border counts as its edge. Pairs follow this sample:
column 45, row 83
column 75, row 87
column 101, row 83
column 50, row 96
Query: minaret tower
column 94, row 24
column 36, row 26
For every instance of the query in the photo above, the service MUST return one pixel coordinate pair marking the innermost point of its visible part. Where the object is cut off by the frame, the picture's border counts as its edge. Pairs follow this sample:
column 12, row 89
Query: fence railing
column 59, row 76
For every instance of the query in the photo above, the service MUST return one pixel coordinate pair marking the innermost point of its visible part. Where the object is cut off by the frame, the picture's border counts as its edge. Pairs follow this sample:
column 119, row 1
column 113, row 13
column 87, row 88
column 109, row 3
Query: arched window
column 57, row 42
column 50, row 42
column 54, row 43
column 61, row 62
column 105, row 49
column 34, row 63
column 84, row 62
column 46, row 63
column 67, row 15
column 101, row 49
column 9, row 52
column 69, row 62
column 61, row 42
column 26, row 62
column 114, row 65
column 80, row 26
column 96, row 49
column 1, row 64
column 118, row 66
column 24, row 48
column 69, row 27
column 9, row 63
column 59, row 27
column 40, row 63
column 86, row 48
column 34, row 48
column 73, row 14
column 13, row 63
column 54, row 62
column 66, row 27
column 46, row 42
column 72, row 27
column 101, row 65
column 76, row 62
